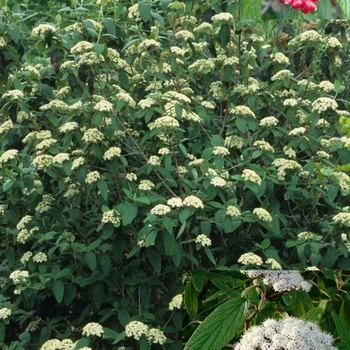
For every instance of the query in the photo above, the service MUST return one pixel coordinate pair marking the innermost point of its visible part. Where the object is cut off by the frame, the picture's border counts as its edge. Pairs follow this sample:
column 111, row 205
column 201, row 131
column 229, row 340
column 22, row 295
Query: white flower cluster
column 160, row 209
column 111, row 216
column 93, row 328
column 310, row 36
column 234, row 141
column 243, row 111
column 155, row 336
column 5, row 313
column 40, row 257
column 18, row 276
column 322, row 104
column 289, row 333
column 269, row 121
column 281, row 281
column 103, row 106
column 131, row 176
column 203, row 240
column 220, row 151
column 218, row 182
column 264, row 146
column 193, row 201
column 250, row 259
column 342, row 218
column 154, row 160
column 113, row 152
column 93, row 135
column 222, row 17
column 8, row 155
column 297, row 131
column 251, row 175
column 283, row 165
column 176, row 302
column 92, row 177
column 42, row 29
column 146, row 185
column 233, row 211
column 262, row 214
column 175, row 202
column 13, row 95
column 64, row 344
column 136, row 329
column 280, row 58
column 307, row 235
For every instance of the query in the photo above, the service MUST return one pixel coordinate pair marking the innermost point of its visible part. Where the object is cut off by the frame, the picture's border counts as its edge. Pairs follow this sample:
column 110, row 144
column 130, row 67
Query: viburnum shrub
column 266, row 309
column 306, row 6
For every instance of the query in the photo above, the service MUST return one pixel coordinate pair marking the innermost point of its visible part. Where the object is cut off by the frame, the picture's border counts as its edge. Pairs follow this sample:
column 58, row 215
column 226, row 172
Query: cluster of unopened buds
column 306, row 6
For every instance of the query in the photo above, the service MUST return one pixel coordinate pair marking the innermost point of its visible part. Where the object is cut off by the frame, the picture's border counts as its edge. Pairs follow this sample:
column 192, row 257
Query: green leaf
column 103, row 188
column 105, row 263
column 169, row 243
column 290, row 13
column 224, row 35
column 110, row 26
column 191, row 300
column 198, row 278
column 344, row 6
column 145, row 11
column 252, row 9
column 99, row 48
column 69, row 294
column 97, row 293
column 313, row 315
column 241, row 125
column 45, row 334
column 342, row 328
column 58, row 290
column 109, row 333
column 151, row 237
column 128, row 212
column 155, row 258
column 8, row 184
column 219, row 327
column 90, row 259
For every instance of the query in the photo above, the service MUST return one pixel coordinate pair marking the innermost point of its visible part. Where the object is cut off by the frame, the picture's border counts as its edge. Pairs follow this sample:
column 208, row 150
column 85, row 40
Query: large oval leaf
column 219, row 327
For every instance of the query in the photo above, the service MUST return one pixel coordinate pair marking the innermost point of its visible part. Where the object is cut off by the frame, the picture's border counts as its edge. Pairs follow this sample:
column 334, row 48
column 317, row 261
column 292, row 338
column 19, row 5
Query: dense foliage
column 137, row 140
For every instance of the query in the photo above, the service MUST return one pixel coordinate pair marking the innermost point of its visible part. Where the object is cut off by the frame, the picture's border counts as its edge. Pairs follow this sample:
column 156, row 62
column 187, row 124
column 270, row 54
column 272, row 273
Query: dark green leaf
column 191, row 300
column 219, row 327
column 90, row 259
column 58, row 290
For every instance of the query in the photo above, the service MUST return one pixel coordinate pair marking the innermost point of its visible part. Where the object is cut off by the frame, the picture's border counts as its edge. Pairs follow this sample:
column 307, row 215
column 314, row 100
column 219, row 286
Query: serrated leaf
column 58, row 290
column 290, row 13
column 219, row 327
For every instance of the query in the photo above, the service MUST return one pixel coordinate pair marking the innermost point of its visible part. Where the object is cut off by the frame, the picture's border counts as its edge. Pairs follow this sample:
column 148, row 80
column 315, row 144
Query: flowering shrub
column 139, row 139
column 269, row 310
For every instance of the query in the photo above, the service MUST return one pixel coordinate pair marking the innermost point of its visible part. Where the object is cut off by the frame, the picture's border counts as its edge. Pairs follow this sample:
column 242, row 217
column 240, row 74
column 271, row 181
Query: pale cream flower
column 92, row 177
column 93, row 328
column 193, row 201
column 251, row 175
column 146, row 185
column 160, row 209
column 233, row 211
column 113, row 152
column 175, row 202
column 136, row 329
column 176, row 302
column 220, row 151
column 8, row 155
column 262, row 214
column 250, row 259
column 203, row 240
column 155, row 336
